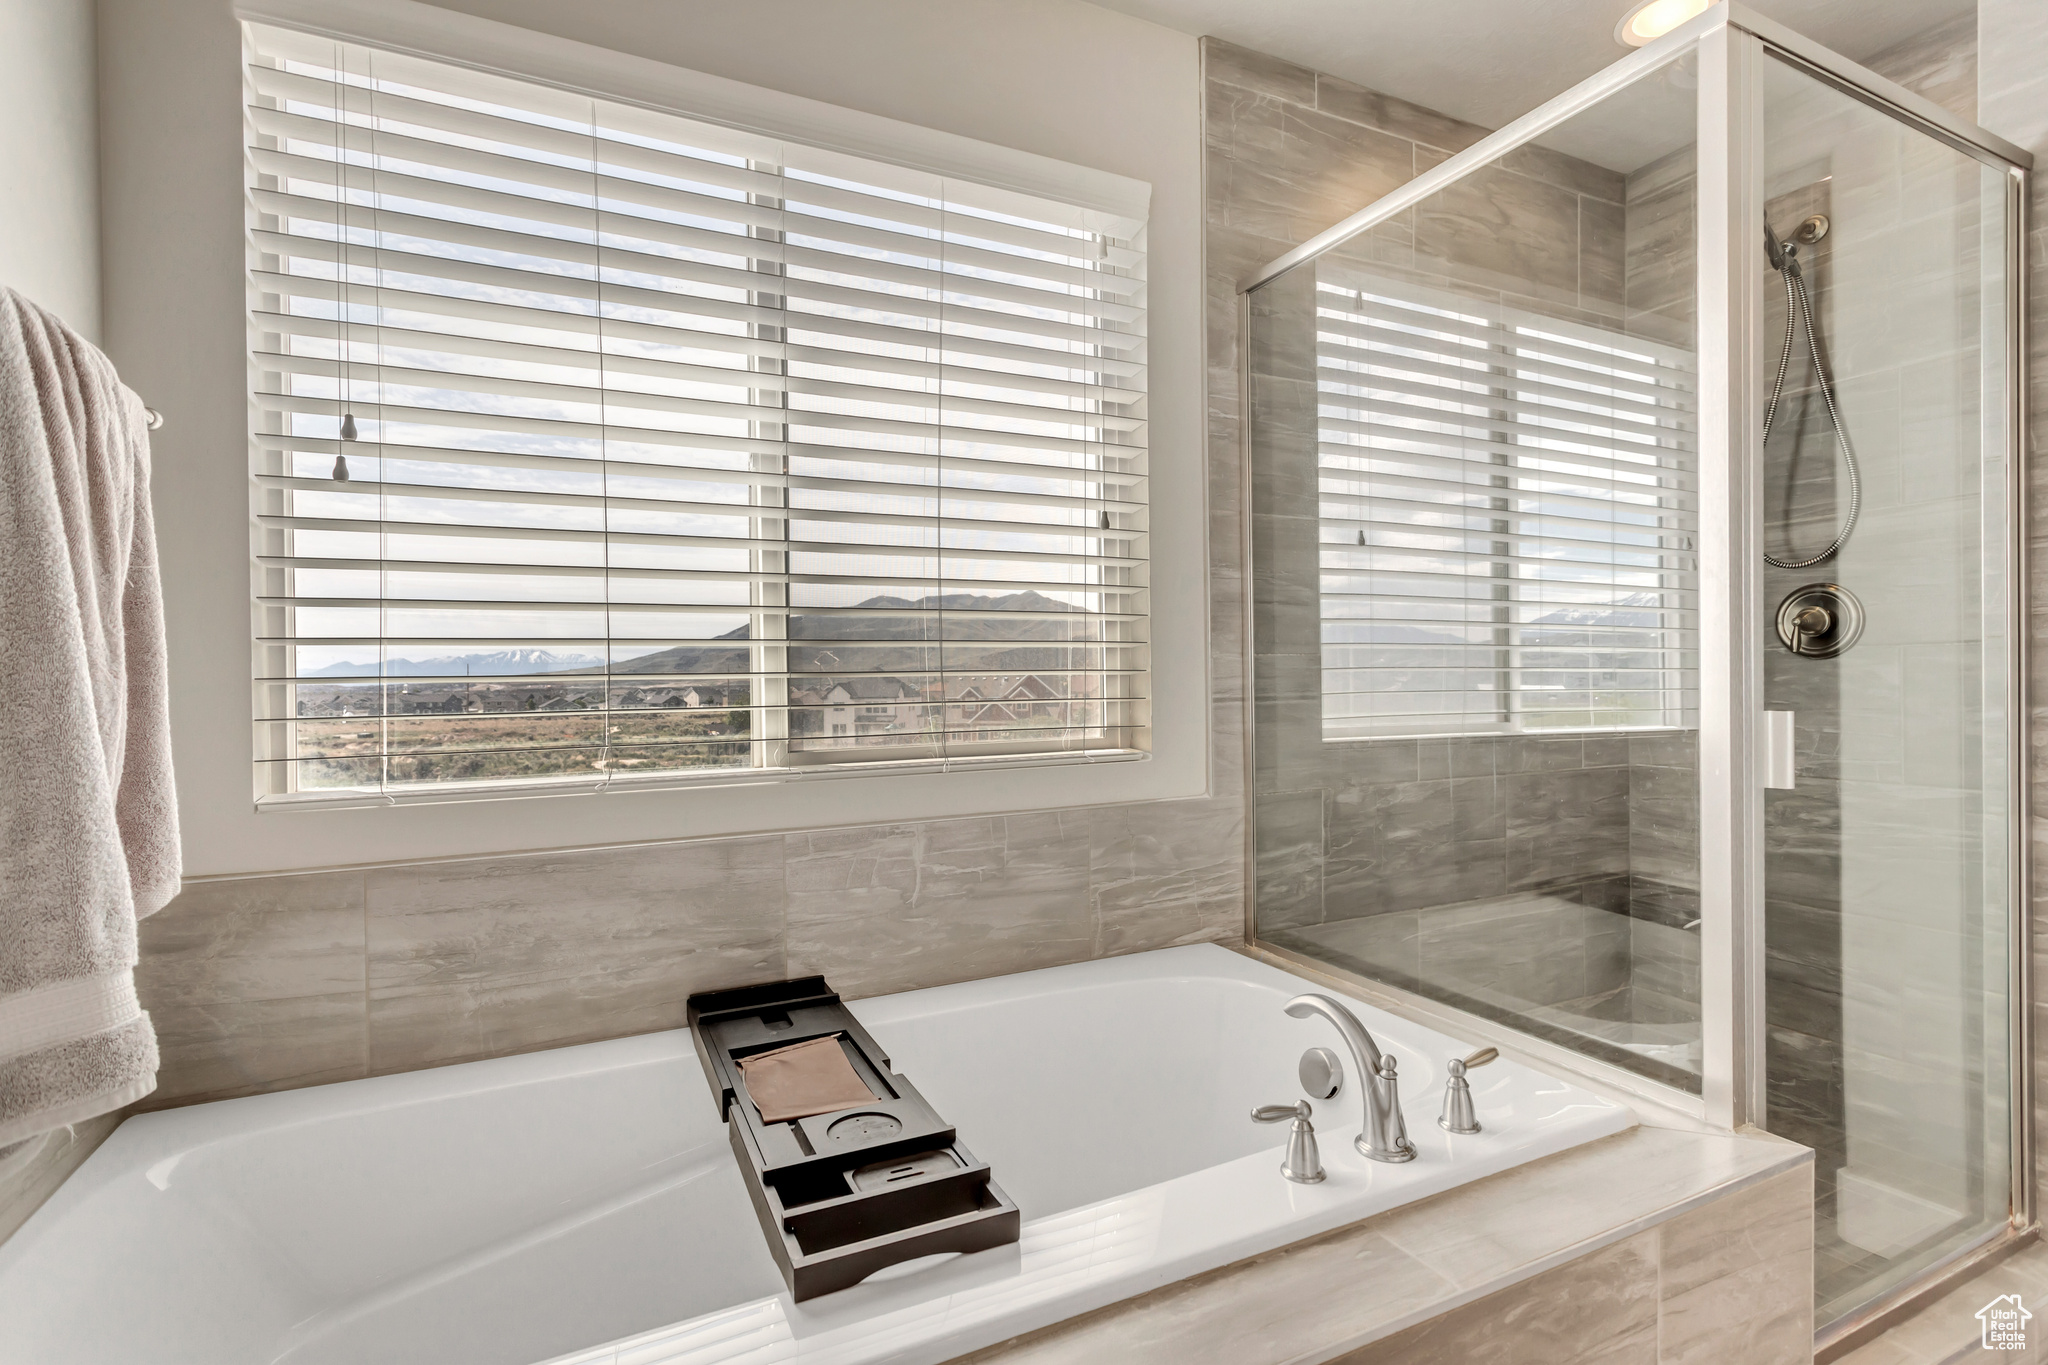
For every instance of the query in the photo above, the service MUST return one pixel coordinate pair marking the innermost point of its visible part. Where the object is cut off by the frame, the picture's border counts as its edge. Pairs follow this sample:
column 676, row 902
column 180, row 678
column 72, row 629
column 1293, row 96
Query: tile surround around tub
column 34, row 1177
column 1525, row 1268
column 486, row 957
column 1600, row 1310
column 257, row 984
column 264, row 983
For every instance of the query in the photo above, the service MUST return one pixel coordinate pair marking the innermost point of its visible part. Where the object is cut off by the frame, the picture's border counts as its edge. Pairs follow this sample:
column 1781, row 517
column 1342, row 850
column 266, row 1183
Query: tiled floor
column 1948, row 1329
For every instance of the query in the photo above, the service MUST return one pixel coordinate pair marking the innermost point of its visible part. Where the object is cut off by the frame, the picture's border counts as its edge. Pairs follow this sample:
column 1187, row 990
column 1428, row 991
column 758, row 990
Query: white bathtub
column 582, row 1204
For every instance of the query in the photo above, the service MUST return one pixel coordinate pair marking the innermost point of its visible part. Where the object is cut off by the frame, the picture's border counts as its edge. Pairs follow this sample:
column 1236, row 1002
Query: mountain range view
column 1642, row 610
column 496, row 663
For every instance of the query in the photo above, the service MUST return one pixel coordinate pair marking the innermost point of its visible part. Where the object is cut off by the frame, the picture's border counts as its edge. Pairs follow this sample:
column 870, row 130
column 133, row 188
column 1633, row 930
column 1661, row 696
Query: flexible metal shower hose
column 1798, row 309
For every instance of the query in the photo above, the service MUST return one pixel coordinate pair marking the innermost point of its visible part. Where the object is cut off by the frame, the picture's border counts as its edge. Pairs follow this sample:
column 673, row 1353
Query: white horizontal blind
column 670, row 450
column 1508, row 505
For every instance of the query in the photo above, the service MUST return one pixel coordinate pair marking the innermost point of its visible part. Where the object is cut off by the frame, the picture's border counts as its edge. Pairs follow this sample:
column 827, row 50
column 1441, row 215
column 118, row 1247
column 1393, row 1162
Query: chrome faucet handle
column 1304, row 1164
column 1280, row 1113
column 1459, row 1116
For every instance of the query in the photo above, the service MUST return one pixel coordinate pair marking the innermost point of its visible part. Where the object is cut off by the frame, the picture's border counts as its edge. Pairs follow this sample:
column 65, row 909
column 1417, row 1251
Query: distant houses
column 1029, row 702
column 835, row 712
column 497, row 697
column 843, row 713
column 840, row 713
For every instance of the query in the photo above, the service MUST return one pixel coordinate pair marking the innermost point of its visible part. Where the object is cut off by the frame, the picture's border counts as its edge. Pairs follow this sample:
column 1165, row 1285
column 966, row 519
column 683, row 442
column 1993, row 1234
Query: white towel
column 88, row 814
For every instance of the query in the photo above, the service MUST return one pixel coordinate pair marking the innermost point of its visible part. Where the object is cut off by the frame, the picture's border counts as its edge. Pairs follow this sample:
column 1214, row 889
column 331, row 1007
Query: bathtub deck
column 539, row 1206
column 1563, row 1259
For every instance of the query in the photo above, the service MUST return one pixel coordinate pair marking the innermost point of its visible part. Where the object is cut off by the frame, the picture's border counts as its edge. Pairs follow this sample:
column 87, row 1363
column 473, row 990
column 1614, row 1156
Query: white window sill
column 360, row 798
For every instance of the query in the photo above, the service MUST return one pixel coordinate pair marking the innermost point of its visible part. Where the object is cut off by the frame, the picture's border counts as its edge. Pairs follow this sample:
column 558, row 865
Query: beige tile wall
column 263, row 983
column 1940, row 63
column 34, row 1175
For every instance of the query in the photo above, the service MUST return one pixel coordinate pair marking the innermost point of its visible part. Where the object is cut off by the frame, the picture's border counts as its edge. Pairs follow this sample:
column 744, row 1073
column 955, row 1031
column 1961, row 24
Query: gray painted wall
column 49, row 163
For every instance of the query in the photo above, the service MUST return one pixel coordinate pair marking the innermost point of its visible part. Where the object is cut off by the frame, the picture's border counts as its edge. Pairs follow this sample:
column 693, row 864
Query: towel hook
column 155, row 419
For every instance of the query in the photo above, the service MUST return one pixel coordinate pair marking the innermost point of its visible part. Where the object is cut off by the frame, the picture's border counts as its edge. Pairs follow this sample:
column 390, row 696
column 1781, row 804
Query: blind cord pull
column 348, row 419
column 348, row 433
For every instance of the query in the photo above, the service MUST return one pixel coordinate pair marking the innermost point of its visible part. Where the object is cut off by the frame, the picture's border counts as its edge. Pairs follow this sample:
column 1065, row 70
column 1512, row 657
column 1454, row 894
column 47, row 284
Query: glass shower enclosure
column 1635, row 616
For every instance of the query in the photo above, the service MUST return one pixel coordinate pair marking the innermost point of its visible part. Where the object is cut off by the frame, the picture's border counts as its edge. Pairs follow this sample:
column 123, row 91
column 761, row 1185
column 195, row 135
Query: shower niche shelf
column 843, row 1194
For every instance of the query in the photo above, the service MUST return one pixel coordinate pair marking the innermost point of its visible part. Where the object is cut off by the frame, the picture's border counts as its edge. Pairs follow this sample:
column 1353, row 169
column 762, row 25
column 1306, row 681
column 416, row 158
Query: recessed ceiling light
column 1652, row 19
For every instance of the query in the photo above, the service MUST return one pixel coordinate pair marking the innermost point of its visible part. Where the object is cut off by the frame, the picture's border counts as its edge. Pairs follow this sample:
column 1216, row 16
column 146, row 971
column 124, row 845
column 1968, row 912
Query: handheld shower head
column 1784, row 258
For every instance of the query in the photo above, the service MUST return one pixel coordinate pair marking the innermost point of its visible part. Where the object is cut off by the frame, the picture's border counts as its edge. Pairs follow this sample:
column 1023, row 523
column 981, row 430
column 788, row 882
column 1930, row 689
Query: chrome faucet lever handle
column 1459, row 1116
column 1280, row 1113
column 1304, row 1164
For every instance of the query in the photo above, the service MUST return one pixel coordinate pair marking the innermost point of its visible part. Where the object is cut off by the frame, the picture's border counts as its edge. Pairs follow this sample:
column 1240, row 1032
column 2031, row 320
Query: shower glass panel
column 1634, row 588
column 1886, row 864
column 1475, row 499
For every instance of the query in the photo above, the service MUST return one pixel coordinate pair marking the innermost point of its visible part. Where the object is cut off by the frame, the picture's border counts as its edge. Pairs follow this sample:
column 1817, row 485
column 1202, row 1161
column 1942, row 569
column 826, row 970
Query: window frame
column 1676, row 468
column 572, row 66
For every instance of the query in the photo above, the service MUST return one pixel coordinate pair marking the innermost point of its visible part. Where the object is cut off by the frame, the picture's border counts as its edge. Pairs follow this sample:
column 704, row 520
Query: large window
column 1508, row 511
column 595, row 444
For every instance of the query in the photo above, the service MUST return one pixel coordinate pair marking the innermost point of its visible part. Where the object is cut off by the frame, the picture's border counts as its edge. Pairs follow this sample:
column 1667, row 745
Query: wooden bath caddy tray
column 841, row 1195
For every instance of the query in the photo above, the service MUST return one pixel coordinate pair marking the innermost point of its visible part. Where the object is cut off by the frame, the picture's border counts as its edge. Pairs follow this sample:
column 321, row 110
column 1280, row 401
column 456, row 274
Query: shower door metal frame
column 2017, row 167
column 1772, row 41
column 1732, row 44
column 1731, row 813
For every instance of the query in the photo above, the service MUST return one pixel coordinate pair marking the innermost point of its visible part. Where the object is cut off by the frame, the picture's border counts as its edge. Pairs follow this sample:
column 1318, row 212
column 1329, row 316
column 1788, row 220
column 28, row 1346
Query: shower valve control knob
column 1814, row 620
column 1459, row 1115
column 1304, row 1163
column 1820, row 620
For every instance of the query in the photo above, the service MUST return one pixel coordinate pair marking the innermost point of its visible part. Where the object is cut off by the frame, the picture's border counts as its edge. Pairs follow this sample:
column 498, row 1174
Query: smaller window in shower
column 1473, row 442
column 1509, row 505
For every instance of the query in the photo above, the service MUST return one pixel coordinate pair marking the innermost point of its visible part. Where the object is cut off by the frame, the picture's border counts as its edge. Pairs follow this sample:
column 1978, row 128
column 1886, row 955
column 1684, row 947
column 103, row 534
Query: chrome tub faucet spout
column 1385, row 1134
